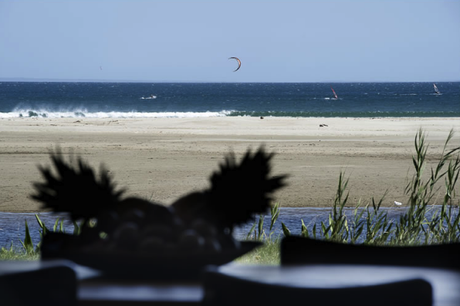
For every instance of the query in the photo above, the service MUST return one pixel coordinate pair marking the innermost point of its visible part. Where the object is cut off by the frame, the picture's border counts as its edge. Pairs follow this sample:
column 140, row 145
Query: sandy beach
column 162, row 159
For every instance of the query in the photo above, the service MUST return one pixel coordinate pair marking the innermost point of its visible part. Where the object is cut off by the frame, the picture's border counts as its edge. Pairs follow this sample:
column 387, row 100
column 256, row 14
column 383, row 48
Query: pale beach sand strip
column 161, row 159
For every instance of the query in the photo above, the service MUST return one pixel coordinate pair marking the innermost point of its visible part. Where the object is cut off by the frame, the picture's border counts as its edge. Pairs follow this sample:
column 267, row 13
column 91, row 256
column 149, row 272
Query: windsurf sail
column 335, row 95
column 239, row 62
column 436, row 90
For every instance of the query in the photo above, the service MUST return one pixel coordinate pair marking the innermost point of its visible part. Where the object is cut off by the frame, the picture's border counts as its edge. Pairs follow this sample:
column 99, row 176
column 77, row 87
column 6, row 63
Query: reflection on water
column 12, row 225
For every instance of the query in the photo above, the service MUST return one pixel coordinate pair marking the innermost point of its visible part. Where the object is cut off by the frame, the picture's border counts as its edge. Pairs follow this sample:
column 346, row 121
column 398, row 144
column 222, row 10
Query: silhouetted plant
column 76, row 189
column 237, row 193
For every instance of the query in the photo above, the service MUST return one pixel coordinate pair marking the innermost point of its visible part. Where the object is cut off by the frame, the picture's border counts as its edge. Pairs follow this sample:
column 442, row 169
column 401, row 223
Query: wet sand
column 162, row 159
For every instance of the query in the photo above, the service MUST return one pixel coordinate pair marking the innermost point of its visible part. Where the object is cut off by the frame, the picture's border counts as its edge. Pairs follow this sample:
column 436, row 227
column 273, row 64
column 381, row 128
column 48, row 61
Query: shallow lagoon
column 12, row 225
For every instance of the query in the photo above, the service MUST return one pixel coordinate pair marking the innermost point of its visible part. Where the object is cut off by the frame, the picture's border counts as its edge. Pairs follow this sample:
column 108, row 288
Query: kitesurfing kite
column 238, row 60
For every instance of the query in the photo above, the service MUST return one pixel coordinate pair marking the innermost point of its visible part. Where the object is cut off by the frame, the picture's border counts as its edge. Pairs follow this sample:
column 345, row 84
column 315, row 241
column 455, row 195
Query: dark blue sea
column 152, row 100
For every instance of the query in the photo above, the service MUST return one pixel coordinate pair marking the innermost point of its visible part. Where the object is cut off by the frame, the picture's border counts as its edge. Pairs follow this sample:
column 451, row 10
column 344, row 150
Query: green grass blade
column 27, row 243
column 286, row 231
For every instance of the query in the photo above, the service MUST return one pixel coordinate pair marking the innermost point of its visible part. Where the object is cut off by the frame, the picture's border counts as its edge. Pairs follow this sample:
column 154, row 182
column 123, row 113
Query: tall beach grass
column 425, row 222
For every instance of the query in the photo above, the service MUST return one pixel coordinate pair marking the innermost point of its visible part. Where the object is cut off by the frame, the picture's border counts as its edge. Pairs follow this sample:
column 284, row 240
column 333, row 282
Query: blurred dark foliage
column 75, row 188
column 238, row 192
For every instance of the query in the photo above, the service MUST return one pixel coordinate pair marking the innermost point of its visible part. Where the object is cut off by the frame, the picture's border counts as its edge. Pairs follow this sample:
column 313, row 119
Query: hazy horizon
column 183, row 81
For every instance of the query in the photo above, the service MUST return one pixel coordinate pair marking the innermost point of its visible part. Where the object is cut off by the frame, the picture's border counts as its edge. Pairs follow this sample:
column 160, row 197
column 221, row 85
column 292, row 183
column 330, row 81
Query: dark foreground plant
column 27, row 244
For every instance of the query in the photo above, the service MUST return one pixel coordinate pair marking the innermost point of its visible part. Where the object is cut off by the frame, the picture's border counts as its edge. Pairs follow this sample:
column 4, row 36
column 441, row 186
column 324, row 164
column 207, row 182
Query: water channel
column 12, row 225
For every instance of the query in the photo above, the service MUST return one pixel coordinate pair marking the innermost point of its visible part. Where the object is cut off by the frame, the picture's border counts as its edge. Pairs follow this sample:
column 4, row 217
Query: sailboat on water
column 436, row 90
column 335, row 95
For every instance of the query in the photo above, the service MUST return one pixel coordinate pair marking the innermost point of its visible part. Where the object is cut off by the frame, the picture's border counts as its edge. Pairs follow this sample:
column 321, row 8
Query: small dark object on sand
column 323, row 125
column 261, row 117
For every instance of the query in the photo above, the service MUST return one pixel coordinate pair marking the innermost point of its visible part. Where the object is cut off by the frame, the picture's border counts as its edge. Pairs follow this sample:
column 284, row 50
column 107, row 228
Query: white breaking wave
column 86, row 114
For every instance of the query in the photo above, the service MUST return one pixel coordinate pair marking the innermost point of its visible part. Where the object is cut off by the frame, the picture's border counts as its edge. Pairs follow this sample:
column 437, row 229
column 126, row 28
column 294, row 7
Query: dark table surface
column 445, row 283
column 94, row 290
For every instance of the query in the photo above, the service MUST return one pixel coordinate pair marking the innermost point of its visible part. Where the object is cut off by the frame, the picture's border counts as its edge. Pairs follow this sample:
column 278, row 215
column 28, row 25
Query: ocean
column 153, row 100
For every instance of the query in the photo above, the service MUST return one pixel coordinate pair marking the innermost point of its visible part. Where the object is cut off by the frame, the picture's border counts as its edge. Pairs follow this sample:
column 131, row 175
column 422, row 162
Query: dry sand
column 162, row 159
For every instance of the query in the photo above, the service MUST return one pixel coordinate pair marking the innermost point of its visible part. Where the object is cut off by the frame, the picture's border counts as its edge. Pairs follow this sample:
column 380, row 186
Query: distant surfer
column 149, row 97
column 335, row 95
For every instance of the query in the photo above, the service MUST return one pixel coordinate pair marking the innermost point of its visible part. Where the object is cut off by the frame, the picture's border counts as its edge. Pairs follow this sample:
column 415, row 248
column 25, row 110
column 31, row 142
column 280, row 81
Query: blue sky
column 191, row 41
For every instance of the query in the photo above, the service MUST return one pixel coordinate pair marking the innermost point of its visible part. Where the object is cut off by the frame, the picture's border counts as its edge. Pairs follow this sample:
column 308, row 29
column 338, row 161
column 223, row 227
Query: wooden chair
column 224, row 289
column 47, row 286
column 300, row 250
